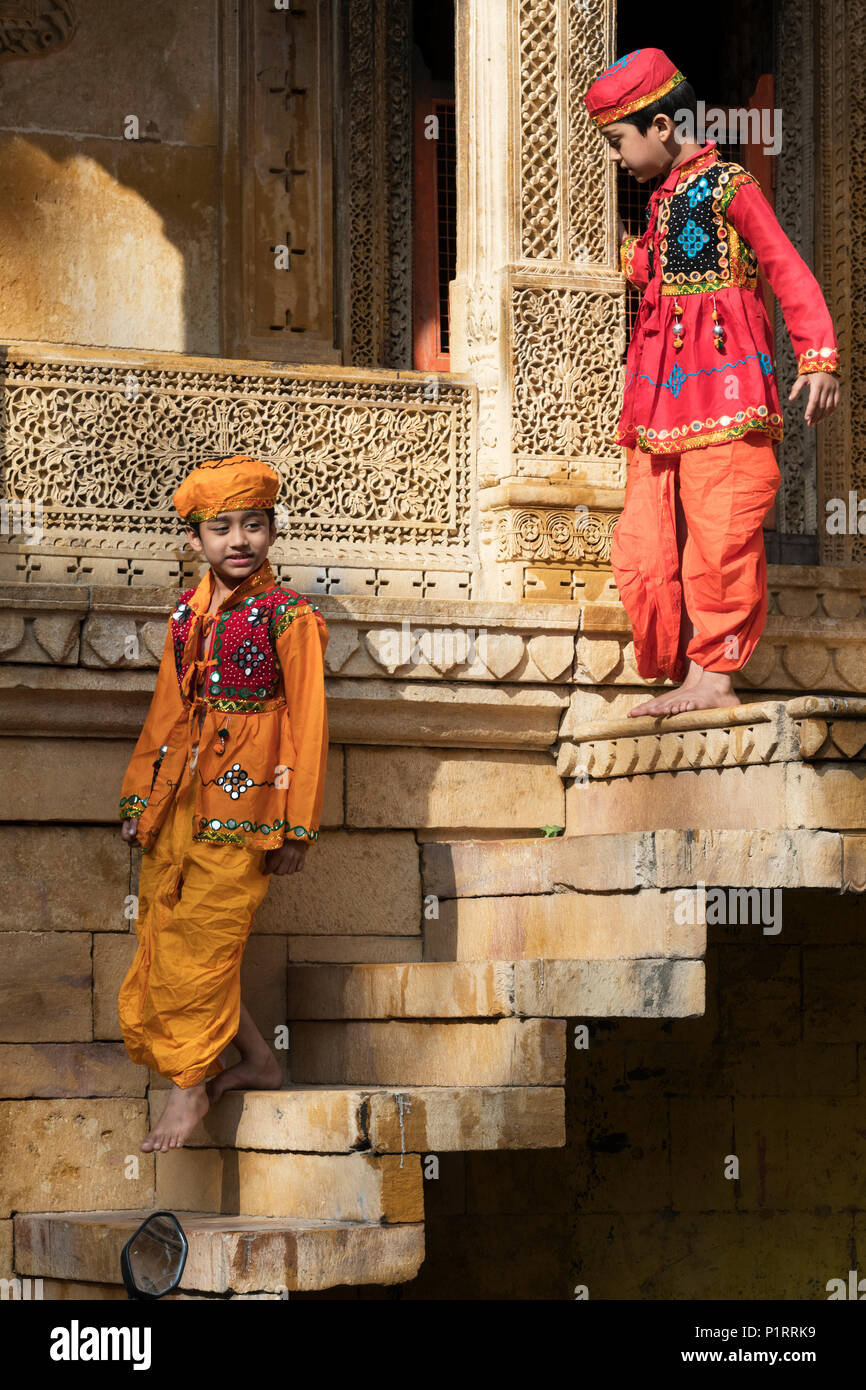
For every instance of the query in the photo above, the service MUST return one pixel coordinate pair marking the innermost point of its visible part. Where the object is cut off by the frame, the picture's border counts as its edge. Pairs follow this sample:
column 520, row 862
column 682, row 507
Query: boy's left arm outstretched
column 804, row 309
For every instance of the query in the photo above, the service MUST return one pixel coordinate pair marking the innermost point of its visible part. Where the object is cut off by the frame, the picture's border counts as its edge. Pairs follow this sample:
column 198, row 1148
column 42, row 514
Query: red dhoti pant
column 179, row 1004
column 724, row 492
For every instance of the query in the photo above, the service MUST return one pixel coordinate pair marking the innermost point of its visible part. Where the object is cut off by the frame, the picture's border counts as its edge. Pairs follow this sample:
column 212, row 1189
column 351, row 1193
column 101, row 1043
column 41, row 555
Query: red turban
column 632, row 82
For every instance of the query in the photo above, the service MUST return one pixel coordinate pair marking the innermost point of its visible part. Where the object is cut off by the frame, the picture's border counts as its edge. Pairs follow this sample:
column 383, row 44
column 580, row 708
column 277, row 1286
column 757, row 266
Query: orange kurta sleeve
column 166, row 707
column 301, row 639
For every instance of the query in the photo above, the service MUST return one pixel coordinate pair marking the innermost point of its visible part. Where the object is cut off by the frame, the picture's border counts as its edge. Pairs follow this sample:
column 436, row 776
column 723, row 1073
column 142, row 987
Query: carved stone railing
column 797, row 765
column 80, row 659
column 806, row 729
column 376, row 467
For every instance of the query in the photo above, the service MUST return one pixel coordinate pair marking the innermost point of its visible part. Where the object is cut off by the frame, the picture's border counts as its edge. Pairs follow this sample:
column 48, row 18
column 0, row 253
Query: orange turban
column 231, row 484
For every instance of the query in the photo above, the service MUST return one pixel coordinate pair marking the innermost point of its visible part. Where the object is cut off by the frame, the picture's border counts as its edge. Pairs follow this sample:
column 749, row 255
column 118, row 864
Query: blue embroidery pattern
column 675, row 381
column 698, row 191
column 621, row 62
column 692, row 238
column 677, row 378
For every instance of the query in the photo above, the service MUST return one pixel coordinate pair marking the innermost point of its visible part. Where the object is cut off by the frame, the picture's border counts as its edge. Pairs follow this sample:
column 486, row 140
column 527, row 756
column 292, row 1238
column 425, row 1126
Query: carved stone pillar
column 538, row 308
column 820, row 194
column 840, row 257
column 373, row 182
column 796, row 77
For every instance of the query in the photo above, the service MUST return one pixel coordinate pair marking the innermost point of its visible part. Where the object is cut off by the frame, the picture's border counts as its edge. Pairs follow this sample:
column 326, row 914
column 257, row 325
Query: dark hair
column 679, row 98
column 268, row 511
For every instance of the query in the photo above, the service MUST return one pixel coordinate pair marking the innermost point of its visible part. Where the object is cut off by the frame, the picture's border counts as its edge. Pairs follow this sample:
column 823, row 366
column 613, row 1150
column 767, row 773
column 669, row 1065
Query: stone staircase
column 321, row 1183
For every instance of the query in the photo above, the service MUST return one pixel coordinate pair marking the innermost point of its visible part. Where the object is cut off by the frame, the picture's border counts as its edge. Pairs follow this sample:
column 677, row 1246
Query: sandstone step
column 342, row 1119
column 772, row 766
column 634, row 859
column 565, row 926
column 827, row 796
column 487, row 868
column 501, row 1052
column 334, row 1187
column 236, row 1254
column 499, row 989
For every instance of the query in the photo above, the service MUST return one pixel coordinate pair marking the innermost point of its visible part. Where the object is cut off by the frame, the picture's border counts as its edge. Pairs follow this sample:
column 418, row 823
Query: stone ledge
column 306, row 1118
column 805, row 728
column 418, row 639
column 813, row 639
column 226, row 1253
column 388, row 1188
column 518, row 492
column 501, row 1052
column 521, row 989
column 41, row 702
column 777, row 796
column 621, row 862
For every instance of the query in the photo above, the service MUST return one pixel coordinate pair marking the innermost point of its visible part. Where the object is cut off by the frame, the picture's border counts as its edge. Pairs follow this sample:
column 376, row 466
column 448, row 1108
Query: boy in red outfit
column 701, row 417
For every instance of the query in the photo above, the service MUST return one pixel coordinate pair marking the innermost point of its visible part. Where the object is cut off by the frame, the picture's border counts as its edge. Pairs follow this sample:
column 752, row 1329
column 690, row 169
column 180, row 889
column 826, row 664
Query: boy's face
column 234, row 544
column 644, row 156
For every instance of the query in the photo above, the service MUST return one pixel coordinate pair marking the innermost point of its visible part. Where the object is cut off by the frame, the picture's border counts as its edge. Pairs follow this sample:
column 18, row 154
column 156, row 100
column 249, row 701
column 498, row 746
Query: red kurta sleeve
column 166, row 707
column 301, row 640
column 634, row 260
column 805, row 311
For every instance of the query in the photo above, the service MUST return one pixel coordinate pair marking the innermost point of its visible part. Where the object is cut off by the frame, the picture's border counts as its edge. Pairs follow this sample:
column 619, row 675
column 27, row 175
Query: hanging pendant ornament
column 718, row 330
column 678, row 324
column 219, row 744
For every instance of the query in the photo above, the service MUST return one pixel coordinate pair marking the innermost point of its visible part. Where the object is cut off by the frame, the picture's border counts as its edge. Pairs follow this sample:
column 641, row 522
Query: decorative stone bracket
column 806, row 729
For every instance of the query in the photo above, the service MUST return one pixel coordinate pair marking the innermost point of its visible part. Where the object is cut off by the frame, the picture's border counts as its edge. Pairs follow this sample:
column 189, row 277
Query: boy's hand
column 129, row 831
column 824, row 392
column 288, row 859
column 622, row 232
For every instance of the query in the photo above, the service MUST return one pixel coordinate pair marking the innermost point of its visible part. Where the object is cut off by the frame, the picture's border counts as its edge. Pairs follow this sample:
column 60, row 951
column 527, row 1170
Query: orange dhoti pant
column 725, row 491
column 180, row 1002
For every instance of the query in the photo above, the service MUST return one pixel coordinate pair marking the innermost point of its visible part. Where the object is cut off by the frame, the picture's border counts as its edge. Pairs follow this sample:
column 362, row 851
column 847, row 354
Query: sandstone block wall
column 636, row 1205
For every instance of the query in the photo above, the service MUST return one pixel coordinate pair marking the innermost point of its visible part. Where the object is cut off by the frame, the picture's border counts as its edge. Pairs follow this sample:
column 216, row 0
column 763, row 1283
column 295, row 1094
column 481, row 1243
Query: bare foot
column 258, row 1070
column 700, row 690
column 186, row 1106
column 659, row 703
column 712, row 690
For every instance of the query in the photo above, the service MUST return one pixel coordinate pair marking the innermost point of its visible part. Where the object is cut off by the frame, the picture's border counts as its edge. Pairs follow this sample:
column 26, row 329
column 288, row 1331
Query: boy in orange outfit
column 701, row 417
column 224, row 787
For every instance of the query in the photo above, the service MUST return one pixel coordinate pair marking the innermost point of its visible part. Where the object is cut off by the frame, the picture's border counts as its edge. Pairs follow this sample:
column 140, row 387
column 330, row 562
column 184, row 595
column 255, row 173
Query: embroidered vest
column 699, row 250
column 245, row 675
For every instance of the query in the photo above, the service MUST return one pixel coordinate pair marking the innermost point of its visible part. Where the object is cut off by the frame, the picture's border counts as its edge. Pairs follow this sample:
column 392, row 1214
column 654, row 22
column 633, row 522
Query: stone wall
column 73, row 1107
column 106, row 239
column 636, row 1206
